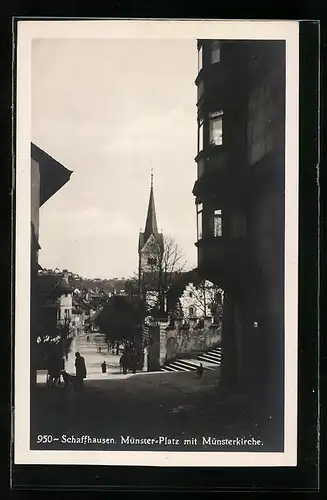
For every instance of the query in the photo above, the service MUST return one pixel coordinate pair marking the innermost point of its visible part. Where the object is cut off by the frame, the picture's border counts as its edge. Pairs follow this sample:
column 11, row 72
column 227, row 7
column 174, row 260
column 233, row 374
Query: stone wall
column 190, row 341
column 166, row 343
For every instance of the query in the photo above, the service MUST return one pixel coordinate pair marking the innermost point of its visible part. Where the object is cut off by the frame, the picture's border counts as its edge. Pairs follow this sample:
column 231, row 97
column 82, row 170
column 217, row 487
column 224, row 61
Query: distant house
column 202, row 300
column 54, row 298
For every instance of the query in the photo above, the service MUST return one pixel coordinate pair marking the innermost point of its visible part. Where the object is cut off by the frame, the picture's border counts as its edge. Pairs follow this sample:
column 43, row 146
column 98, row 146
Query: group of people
column 56, row 366
column 56, row 371
column 128, row 361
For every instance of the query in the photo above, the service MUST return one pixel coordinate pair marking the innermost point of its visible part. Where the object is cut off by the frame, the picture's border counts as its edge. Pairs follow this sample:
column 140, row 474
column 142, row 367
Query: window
column 151, row 261
column 200, row 136
column 216, row 128
column 191, row 311
column 215, row 52
column 200, row 168
column 200, row 59
column 200, row 90
column 199, row 220
column 217, row 223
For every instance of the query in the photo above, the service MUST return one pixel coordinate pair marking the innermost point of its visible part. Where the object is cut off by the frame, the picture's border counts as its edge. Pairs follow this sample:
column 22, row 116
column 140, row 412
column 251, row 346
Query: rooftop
column 53, row 175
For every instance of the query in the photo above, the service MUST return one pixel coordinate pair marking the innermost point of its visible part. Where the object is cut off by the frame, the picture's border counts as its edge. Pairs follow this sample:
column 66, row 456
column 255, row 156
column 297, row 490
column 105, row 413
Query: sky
column 110, row 110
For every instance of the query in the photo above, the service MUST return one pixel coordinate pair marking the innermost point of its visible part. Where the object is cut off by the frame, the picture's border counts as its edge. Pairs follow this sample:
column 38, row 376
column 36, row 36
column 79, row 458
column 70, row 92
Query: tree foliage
column 119, row 320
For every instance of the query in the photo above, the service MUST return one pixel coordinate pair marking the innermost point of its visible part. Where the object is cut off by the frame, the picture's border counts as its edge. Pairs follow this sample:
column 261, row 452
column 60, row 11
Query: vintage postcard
column 156, row 285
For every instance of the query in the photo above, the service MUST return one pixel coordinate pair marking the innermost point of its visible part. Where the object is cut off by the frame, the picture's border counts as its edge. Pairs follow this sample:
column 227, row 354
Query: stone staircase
column 210, row 361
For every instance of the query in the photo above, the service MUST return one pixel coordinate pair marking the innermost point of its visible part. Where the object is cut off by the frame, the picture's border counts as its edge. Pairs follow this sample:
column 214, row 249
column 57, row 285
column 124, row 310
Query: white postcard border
column 149, row 29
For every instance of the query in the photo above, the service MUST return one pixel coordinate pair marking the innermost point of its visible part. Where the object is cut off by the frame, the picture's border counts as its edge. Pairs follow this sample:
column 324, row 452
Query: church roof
column 151, row 226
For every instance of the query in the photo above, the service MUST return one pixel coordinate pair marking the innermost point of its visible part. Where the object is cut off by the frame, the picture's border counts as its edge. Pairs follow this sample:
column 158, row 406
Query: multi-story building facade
column 239, row 196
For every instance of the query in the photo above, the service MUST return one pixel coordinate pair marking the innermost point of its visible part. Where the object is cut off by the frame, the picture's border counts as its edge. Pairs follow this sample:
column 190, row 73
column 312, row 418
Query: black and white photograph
column 156, row 243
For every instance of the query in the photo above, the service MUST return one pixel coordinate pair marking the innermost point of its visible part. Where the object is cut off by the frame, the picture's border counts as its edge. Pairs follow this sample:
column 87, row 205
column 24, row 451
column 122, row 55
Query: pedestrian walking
column 104, row 367
column 80, row 369
column 124, row 363
column 200, row 370
column 88, row 338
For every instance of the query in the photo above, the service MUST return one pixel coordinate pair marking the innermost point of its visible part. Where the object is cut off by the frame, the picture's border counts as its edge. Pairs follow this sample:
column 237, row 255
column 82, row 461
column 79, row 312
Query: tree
column 119, row 320
column 165, row 261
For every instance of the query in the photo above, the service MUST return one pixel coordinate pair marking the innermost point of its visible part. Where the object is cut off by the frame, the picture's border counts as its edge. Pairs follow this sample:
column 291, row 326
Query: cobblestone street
column 148, row 405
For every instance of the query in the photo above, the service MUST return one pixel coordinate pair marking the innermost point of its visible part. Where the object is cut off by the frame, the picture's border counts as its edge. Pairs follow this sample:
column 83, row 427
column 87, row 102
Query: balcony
column 212, row 169
column 224, row 256
column 211, row 83
column 213, row 159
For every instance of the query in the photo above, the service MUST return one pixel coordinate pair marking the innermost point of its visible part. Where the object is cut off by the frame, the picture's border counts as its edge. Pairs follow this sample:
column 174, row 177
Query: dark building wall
column 266, row 218
column 244, row 176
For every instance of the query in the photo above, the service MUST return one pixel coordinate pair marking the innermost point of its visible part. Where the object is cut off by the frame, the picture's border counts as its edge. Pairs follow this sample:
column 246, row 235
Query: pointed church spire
column 151, row 220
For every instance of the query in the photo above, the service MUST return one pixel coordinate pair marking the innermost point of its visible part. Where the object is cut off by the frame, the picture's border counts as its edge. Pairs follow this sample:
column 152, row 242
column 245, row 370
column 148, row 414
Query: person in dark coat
column 124, row 363
column 104, row 367
column 200, row 370
column 80, row 369
column 121, row 363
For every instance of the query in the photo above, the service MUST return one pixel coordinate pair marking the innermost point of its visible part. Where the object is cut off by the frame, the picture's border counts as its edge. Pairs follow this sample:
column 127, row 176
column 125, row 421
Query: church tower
column 149, row 250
